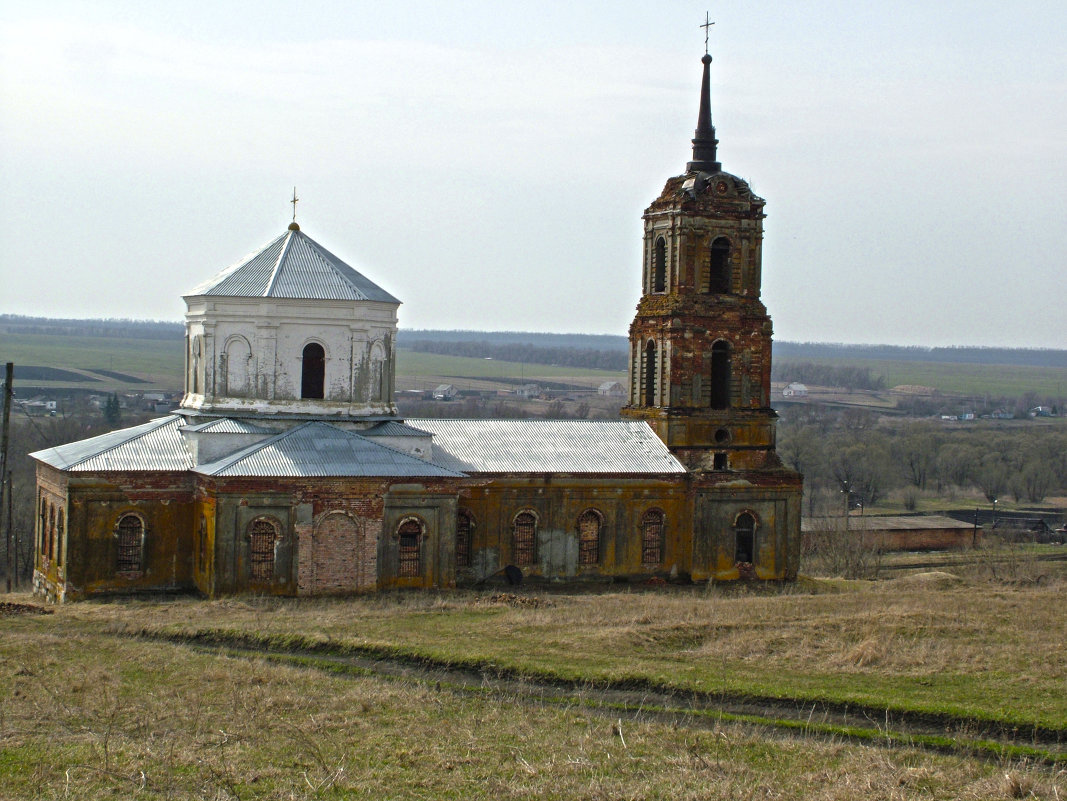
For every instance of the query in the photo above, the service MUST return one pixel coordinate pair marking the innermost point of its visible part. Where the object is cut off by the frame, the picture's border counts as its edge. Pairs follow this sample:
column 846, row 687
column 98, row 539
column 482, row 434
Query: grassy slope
column 970, row 650
column 87, row 714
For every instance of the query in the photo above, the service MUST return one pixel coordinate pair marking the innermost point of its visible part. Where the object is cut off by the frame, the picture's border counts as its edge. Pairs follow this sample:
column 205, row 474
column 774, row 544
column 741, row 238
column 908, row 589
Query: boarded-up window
column 589, row 538
column 745, row 532
column 313, row 371
column 130, row 531
column 262, row 536
column 524, row 539
column 652, row 538
column 409, row 537
column 464, row 528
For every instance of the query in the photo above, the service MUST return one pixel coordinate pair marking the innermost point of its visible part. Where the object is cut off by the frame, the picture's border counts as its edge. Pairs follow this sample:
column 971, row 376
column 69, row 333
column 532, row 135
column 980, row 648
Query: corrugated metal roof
column 156, row 445
column 293, row 266
column 548, row 446
column 391, row 428
column 227, row 425
column 320, row 449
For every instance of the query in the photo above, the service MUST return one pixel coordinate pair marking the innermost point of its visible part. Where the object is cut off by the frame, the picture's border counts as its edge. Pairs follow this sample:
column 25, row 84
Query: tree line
column 853, row 459
column 827, row 375
column 525, row 353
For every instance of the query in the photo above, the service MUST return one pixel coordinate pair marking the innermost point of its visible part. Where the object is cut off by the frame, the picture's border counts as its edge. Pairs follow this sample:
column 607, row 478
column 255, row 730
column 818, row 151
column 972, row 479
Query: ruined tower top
column 704, row 141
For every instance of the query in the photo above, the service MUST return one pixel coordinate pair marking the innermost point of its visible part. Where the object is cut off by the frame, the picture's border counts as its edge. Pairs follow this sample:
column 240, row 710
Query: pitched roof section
column 320, row 449
column 548, row 446
column 228, row 425
column 152, row 446
column 293, row 266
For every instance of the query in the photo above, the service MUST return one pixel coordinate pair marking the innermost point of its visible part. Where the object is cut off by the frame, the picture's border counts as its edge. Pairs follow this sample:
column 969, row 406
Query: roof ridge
column 248, row 450
column 276, row 272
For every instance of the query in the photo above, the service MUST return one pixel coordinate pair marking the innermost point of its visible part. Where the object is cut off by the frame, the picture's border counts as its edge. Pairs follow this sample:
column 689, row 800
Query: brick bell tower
column 700, row 345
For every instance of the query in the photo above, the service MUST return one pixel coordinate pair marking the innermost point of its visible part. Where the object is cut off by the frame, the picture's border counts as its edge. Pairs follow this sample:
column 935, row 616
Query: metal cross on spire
column 707, row 29
column 294, row 201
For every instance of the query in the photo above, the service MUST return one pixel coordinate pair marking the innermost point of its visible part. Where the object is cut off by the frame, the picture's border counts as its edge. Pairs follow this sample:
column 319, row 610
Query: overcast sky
column 488, row 163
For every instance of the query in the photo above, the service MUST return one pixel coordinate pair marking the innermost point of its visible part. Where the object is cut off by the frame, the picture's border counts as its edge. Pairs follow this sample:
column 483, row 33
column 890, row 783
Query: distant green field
column 967, row 379
column 413, row 363
column 157, row 361
column 160, row 363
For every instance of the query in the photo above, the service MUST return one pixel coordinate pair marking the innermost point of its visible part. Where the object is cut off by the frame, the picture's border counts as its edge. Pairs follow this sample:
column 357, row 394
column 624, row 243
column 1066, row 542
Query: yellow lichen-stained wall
column 94, row 503
column 556, row 502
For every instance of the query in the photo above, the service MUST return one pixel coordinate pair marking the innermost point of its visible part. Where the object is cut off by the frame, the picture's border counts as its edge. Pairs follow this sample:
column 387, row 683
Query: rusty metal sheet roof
column 293, row 266
column 155, row 445
column 548, row 446
column 319, row 450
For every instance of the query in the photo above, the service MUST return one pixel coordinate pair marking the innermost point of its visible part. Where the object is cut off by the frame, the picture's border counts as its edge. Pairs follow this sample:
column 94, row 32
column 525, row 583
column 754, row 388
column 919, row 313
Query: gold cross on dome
column 707, row 29
column 294, row 201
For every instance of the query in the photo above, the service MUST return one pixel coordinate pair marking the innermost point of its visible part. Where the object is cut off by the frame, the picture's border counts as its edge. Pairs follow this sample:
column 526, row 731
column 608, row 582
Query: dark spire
column 704, row 140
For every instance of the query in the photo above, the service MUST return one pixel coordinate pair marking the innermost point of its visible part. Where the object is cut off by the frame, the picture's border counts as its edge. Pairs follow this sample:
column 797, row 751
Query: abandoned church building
column 287, row 469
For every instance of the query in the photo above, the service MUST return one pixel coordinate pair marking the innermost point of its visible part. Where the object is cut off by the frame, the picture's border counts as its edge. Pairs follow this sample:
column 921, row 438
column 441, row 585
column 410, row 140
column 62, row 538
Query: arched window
column 745, row 535
column 42, row 527
column 130, row 547
column 262, row 538
column 589, row 523
column 659, row 266
column 652, row 538
column 719, row 266
column 720, row 375
column 313, row 371
column 524, row 539
column 202, row 535
column 51, row 532
column 409, row 548
column 59, row 538
column 464, row 529
column 649, row 388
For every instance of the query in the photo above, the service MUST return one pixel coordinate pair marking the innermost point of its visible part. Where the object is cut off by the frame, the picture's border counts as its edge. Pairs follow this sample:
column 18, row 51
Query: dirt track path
column 880, row 727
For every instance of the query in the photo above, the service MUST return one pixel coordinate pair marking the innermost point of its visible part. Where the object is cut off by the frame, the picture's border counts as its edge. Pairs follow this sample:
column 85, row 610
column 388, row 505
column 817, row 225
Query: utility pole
column 5, row 481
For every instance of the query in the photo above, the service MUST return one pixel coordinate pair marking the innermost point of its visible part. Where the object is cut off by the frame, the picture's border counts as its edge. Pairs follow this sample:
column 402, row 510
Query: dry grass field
column 118, row 700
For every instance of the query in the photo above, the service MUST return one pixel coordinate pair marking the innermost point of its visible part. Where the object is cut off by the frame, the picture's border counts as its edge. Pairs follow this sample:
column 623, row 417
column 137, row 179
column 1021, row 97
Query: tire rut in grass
column 641, row 699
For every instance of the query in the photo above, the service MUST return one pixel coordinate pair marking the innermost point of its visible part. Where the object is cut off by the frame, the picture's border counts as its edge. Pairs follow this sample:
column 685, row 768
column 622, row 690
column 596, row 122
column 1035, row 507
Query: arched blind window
column 652, row 538
column 262, row 536
column 313, row 371
column 524, row 539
